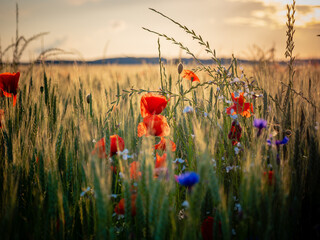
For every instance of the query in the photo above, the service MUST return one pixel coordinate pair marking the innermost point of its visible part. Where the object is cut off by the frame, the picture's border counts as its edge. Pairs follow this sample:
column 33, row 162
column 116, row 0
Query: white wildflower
column 179, row 160
column 214, row 163
column 236, row 150
column 235, row 116
column 229, row 168
column 85, row 191
column 124, row 154
column 188, row 109
column 237, row 207
column 235, row 80
column 185, row 204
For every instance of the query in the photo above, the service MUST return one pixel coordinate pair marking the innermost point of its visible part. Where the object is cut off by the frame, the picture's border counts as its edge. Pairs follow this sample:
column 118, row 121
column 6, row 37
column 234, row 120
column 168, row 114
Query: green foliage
column 53, row 186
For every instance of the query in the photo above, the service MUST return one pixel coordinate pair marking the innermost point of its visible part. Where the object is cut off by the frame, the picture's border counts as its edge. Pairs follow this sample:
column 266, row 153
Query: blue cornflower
column 260, row 124
column 188, row 179
column 284, row 141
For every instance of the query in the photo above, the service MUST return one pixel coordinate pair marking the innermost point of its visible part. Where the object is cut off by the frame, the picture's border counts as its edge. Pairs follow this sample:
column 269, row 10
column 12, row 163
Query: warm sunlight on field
column 183, row 148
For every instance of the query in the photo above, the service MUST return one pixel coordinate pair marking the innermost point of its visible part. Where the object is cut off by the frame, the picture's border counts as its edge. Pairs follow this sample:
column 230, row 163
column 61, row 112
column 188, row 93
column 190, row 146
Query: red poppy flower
column 155, row 125
column 162, row 145
column 100, row 149
column 116, row 144
column 9, row 85
column 1, row 117
column 270, row 176
column 240, row 106
column 207, row 228
column 188, row 74
column 160, row 165
column 235, row 132
column 161, row 161
column 151, row 104
column 134, row 170
column 120, row 207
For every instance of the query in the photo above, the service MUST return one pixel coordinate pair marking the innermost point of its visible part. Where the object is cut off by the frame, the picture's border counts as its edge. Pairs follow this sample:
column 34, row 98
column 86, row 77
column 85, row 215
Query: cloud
column 81, row 2
column 270, row 14
column 251, row 13
column 117, row 25
column 305, row 9
column 247, row 21
column 313, row 25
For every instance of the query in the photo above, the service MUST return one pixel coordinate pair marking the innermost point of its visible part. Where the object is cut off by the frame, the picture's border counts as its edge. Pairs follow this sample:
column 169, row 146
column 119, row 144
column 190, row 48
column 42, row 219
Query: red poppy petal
column 161, row 161
column 14, row 100
column 116, row 144
column 152, row 104
column 173, row 146
column 165, row 130
column 188, row 74
column 7, row 94
column 161, row 145
column 234, row 107
column 142, row 129
column 156, row 125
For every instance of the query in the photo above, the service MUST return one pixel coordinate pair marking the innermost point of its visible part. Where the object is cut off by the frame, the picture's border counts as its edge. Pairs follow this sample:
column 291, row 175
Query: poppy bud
column 180, row 68
column 41, row 89
column 89, row 98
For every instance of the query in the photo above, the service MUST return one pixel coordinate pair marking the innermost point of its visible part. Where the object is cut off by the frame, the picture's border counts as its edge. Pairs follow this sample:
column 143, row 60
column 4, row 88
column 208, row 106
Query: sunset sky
column 93, row 29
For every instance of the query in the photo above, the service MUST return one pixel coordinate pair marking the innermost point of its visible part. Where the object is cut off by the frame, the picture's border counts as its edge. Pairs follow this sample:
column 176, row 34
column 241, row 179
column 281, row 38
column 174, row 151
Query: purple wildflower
column 188, row 179
column 260, row 124
column 278, row 143
column 285, row 140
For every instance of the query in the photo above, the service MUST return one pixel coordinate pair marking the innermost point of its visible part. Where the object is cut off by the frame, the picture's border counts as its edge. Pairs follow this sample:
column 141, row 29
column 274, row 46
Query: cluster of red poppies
column 154, row 124
column 116, row 146
column 240, row 106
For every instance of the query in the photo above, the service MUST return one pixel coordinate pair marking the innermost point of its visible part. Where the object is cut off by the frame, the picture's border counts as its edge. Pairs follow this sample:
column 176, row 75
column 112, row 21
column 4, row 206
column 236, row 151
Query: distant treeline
column 145, row 60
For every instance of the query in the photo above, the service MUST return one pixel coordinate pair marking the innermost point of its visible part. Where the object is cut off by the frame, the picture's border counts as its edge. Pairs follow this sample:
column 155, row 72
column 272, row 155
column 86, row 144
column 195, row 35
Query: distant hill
column 146, row 60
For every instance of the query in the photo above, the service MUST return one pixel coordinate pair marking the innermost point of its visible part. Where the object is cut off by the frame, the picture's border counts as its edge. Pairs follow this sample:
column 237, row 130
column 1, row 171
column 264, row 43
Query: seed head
column 89, row 98
column 180, row 68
